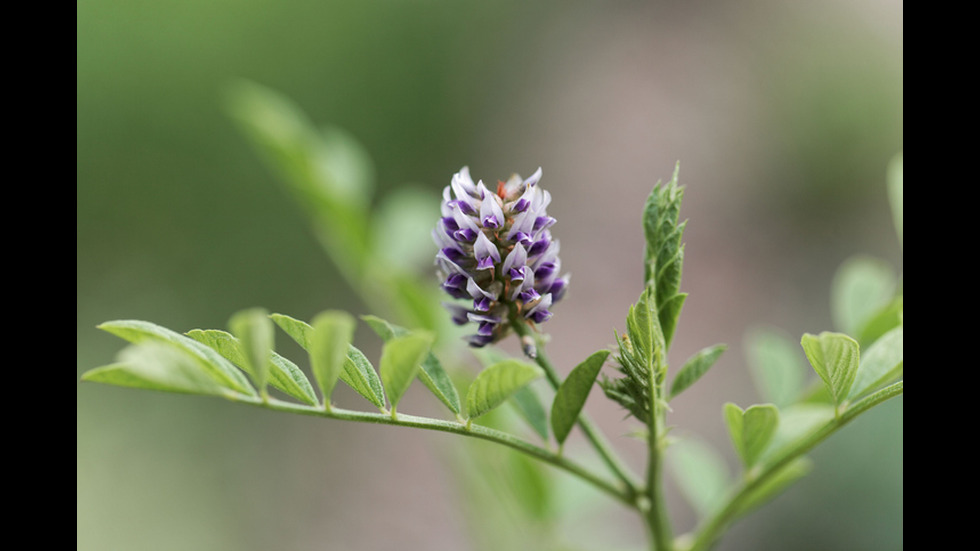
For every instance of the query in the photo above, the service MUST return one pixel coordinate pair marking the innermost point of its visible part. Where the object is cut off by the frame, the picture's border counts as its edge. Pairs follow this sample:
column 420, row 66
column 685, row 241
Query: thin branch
column 475, row 431
column 712, row 528
column 592, row 433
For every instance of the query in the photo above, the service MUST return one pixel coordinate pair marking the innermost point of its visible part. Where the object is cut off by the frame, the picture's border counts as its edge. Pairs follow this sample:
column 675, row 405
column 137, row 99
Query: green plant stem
column 656, row 516
column 592, row 433
column 465, row 429
column 712, row 528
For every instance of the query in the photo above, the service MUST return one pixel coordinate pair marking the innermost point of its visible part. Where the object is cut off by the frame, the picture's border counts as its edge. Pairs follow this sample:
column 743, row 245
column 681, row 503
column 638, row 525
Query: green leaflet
column 882, row 321
column 332, row 333
column 751, row 430
column 256, row 337
column 299, row 331
column 220, row 369
column 881, row 364
column 495, row 384
column 400, row 361
column 158, row 365
column 529, row 405
column 670, row 265
column 403, row 223
column 383, row 328
column 696, row 366
column 665, row 252
column 670, row 313
column 862, row 286
column 431, row 372
column 660, row 220
column 327, row 164
column 534, row 491
column 835, row 358
column 640, row 359
column 777, row 482
column 640, row 327
column 526, row 400
column 798, row 421
column 283, row 374
column 776, row 366
column 327, row 171
column 357, row 373
column 418, row 304
column 572, row 394
column 700, row 473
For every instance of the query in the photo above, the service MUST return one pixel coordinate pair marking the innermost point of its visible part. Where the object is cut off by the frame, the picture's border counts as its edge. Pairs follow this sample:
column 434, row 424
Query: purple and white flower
column 496, row 251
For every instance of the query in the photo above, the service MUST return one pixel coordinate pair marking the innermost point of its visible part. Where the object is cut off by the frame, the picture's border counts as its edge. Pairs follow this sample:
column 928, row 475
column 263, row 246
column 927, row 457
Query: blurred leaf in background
column 179, row 221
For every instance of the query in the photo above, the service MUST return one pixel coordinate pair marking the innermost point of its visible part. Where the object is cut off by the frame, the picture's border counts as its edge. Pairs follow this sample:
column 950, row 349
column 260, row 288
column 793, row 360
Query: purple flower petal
column 517, row 258
column 455, row 285
column 486, row 252
column 540, row 316
column 527, row 283
column 459, row 314
column 486, row 329
column 476, row 291
column 491, row 215
column 454, row 254
column 558, row 287
column 474, row 316
column 449, row 225
column 521, row 274
column 546, row 250
column 462, row 184
column 542, row 222
column 539, row 246
column 545, row 270
column 448, row 266
column 534, row 178
column 523, row 224
column 523, row 238
column 529, row 295
column 481, row 190
column 441, row 239
column 463, row 205
column 447, row 209
column 539, row 312
column 479, row 341
column 541, row 200
column 465, row 234
column 463, row 221
column 520, row 206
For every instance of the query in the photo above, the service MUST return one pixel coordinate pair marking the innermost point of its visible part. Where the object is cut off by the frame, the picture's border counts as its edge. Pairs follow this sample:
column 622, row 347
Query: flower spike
column 496, row 249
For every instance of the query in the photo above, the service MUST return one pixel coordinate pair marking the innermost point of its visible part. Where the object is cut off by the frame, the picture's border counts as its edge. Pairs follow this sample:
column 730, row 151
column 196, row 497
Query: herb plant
column 499, row 267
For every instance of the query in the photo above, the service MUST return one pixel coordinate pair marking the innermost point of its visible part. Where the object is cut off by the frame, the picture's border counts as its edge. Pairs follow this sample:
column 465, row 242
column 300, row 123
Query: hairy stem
column 465, row 429
column 592, row 433
column 712, row 528
column 656, row 515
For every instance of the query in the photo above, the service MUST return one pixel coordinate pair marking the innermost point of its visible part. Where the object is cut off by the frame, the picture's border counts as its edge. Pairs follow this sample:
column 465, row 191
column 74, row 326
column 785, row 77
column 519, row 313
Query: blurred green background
column 783, row 115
